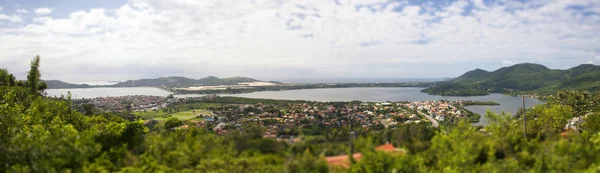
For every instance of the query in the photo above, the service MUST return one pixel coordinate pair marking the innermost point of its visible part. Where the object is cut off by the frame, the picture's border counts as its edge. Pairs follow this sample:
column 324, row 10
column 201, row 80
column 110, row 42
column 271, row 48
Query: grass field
column 199, row 105
column 150, row 114
column 182, row 115
column 185, row 115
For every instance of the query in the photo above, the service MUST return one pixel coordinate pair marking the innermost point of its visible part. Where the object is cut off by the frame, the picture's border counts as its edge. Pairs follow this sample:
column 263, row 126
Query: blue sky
column 119, row 40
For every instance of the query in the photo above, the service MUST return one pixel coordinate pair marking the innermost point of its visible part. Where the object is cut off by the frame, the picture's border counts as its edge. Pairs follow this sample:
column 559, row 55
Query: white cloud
column 289, row 38
column 11, row 18
column 42, row 11
column 597, row 56
column 590, row 62
column 22, row 11
column 507, row 63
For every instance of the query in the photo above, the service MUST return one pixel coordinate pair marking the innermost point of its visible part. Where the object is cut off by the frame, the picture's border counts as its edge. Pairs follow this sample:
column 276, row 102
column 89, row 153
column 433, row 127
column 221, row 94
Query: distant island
column 520, row 79
column 162, row 82
column 233, row 85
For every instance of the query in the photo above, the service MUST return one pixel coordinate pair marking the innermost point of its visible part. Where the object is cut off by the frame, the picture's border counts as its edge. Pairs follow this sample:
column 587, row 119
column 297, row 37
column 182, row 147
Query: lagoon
column 508, row 104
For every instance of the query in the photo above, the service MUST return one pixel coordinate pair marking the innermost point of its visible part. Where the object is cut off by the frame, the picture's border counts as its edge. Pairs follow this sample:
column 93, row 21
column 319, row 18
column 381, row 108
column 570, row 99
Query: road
column 434, row 123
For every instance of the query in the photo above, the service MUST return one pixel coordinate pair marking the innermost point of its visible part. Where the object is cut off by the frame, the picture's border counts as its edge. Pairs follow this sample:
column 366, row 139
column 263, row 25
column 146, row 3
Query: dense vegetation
column 41, row 134
column 450, row 89
column 521, row 79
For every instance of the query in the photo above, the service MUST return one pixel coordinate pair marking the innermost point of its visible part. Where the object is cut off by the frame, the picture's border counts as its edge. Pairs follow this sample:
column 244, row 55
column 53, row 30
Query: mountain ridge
column 57, row 84
column 521, row 78
column 161, row 82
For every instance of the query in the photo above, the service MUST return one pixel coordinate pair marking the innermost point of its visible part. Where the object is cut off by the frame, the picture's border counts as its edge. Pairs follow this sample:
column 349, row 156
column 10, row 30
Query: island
column 232, row 85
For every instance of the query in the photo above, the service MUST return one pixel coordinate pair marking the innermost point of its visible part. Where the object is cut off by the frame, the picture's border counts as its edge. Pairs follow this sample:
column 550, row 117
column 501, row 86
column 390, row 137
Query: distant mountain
column 162, row 82
column 56, row 84
column 526, row 77
column 173, row 81
column 176, row 81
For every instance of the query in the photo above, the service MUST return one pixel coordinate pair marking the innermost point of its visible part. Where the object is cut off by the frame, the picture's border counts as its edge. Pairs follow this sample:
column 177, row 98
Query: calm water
column 509, row 104
column 79, row 93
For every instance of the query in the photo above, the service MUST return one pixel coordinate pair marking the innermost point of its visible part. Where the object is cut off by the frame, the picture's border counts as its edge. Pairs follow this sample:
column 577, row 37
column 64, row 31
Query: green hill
column 521, row 78
column 176, row 81
column 173, row 81
column 162, row 82
column 56, row 84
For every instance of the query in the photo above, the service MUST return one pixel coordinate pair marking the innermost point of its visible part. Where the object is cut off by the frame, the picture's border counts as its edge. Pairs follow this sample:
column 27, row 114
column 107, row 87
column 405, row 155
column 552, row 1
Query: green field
column 150, row 114
column 185, row 115
column 182, row 115
column 185, row 111
column 199, row 105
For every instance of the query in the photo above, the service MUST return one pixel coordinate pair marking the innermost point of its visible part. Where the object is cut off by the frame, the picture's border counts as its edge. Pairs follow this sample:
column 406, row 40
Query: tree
column 4, row 77
column 306, row 162
column 172, row 123
column 7, row 79
column 34, row 82
column 88, row 109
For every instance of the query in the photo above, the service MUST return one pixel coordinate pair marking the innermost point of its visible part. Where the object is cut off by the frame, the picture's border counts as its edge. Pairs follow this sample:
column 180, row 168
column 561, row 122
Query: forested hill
column 55, row 84
column 521, row 78
column 166, row 82
column 175, row 81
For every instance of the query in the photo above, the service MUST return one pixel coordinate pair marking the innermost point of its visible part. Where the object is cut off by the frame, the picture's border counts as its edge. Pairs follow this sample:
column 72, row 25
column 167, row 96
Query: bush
column 172, row 123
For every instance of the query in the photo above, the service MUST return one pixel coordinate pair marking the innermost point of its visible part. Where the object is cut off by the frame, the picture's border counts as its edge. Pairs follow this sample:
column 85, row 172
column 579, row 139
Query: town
column 282, row 119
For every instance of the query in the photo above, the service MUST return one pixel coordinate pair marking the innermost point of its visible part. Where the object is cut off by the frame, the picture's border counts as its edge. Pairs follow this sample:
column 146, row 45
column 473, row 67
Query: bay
column 80, row 93
column 508, row 104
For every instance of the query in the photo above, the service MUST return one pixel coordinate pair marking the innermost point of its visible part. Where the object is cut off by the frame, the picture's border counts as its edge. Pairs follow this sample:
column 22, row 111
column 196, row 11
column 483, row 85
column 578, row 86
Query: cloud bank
column 278, row 39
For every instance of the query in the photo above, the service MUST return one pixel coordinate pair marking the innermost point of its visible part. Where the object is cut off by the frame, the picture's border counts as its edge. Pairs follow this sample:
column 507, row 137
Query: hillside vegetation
column 521, row 78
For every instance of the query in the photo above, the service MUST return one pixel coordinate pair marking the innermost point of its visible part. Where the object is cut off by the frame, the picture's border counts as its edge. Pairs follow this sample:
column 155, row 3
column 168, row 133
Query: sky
column 278, row 39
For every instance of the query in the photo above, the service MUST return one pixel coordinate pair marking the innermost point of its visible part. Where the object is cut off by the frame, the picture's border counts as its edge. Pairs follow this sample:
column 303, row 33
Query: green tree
column 33, row 76
column 5, row 78
column 548, row 120
column 88, row 109
column 172, row 123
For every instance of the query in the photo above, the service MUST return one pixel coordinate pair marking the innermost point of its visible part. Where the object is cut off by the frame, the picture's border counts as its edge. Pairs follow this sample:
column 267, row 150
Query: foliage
column 34, row 82
column 449, row 89
column 6, row 79
column 172, row 123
